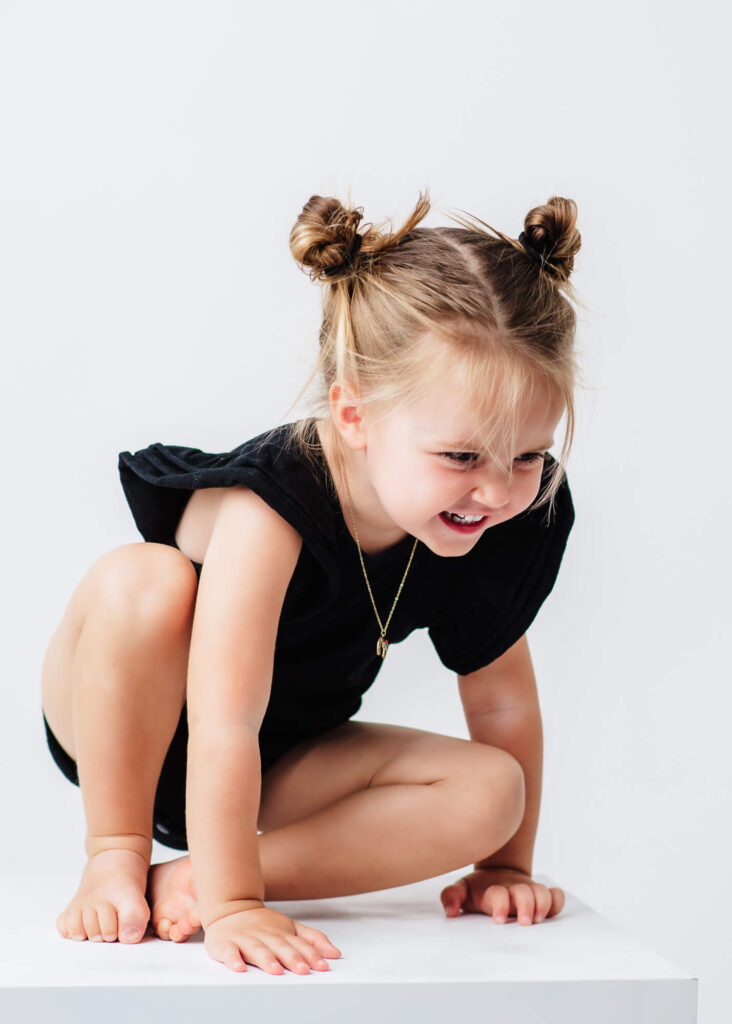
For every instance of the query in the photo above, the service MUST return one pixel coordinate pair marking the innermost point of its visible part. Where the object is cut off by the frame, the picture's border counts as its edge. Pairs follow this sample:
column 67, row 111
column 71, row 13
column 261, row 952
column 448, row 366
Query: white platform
column 402, row 959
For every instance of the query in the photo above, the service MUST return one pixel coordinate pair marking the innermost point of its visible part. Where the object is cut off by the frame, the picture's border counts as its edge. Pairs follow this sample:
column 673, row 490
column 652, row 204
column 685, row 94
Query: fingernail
column 129, row 933
column 525, row 919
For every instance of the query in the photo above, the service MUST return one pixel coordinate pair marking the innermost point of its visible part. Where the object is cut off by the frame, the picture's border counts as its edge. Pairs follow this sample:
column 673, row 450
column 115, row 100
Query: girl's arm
column 501, row 706
column 247, row 568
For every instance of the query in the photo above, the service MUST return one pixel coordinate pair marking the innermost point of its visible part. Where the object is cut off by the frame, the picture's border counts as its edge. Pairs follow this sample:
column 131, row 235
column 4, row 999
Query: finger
column 542, row 902
column 311, row 954
column 496, row 901
column 319, row 939
column 260, row 955
column 453, row 897
column 523, row 896
column 557, row 902
column 229, row 954
column 291, row 957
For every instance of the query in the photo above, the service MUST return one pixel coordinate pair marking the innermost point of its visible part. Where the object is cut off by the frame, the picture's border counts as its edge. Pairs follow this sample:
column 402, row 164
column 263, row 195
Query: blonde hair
column 502, row 312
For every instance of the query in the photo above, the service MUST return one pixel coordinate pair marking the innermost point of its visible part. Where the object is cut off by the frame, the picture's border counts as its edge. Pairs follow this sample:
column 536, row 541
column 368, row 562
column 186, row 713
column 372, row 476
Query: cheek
column 526, row 489
column 426, row 492
column 444, row 485
column 404, row 489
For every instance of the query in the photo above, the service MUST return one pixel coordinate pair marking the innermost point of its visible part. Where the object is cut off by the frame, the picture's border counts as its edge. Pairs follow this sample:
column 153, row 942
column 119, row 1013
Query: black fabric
column 474, row 607
column 169, row 821
column 169, row 808
column 501, row 585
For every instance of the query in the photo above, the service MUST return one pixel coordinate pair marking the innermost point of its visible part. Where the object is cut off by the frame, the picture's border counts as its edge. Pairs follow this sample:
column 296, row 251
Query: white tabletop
column 400, row 955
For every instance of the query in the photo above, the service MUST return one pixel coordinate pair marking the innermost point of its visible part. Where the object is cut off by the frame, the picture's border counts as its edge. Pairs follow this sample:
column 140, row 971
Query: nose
column 492, row 491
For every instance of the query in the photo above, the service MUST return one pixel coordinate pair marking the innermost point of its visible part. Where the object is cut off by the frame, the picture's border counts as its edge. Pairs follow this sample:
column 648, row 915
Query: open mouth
column 463, row 524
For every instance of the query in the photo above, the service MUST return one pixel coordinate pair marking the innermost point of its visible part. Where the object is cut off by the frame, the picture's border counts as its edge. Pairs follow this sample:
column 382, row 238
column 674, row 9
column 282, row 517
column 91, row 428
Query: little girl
column 201, row 686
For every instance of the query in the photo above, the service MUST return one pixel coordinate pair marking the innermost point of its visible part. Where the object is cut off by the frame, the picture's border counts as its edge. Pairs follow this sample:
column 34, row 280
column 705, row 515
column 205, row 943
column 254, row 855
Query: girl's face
column 409, row 469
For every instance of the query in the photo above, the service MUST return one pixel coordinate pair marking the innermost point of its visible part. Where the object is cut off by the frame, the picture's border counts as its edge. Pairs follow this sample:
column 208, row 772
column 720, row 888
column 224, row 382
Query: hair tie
column 536, row 256
column 349, row 260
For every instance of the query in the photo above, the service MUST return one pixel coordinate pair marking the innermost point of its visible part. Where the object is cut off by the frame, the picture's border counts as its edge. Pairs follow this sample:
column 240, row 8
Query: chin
column 448, row 550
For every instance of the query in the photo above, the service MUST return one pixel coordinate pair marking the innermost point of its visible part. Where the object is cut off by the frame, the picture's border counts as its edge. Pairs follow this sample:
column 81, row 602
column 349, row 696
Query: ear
column 347, row 410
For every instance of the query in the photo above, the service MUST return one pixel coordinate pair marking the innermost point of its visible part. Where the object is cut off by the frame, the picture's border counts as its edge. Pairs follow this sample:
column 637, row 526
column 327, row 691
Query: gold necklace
column 382, row 643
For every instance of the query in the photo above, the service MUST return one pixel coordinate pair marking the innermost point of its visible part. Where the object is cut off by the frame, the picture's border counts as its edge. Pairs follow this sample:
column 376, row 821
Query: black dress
column 474, row 607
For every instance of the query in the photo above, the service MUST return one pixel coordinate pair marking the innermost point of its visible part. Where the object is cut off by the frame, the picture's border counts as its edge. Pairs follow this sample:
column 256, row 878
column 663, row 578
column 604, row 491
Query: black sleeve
column 159, row 480
column 506, row 579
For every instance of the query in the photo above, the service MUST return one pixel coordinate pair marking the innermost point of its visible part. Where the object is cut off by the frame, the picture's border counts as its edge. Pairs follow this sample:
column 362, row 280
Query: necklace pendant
column 381, row 647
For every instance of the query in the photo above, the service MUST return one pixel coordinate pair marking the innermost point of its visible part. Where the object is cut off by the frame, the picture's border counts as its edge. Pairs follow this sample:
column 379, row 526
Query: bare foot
column 110, row 901
column 173, row 900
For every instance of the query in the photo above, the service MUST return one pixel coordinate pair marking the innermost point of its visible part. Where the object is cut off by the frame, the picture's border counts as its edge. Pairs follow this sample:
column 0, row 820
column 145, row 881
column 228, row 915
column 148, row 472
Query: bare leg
column 466, row 801
column 128, row 688
column 385, row 836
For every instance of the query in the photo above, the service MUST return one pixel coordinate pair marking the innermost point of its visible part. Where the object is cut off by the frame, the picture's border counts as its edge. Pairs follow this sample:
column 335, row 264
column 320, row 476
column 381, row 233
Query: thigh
column 356, row 755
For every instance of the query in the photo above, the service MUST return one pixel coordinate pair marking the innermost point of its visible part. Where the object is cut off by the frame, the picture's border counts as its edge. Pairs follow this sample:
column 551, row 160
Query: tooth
column 464, row 519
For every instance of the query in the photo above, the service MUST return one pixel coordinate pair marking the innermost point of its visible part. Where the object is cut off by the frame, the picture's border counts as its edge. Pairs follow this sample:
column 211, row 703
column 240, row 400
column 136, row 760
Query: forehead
column 451, row 409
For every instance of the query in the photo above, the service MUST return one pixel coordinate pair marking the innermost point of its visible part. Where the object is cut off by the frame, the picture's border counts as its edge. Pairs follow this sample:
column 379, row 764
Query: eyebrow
column 466, row 446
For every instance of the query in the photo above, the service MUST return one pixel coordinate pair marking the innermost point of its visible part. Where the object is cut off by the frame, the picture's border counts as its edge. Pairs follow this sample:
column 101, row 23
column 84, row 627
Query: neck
column 375, row 532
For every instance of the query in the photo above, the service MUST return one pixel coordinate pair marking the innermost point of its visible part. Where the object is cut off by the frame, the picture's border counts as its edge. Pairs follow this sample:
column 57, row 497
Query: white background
column 155, row 156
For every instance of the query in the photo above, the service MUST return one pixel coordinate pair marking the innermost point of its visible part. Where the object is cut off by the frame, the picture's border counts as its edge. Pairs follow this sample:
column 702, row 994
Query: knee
column 147, row 582
column 495, row 797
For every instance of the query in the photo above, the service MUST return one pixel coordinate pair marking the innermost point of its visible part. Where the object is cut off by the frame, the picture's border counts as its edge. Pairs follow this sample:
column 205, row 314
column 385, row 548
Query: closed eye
column 470, row 458
column 532, row 457
column 463, row 457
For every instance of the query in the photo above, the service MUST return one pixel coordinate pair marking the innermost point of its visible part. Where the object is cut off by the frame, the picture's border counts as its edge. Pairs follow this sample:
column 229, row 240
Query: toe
column 107, row 921
column 133, row 922
column 74, row 926
column 163, row 928
column 90, row 921
column 61, row 925
column 185, row 929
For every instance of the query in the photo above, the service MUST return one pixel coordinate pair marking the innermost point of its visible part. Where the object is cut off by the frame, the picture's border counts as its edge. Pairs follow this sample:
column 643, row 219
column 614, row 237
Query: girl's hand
column 502, row 892
column 267, row 939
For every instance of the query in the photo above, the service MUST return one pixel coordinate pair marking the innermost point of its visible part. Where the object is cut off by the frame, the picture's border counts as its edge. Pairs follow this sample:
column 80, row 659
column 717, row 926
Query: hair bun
column 550, row 231
column 325, row 238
